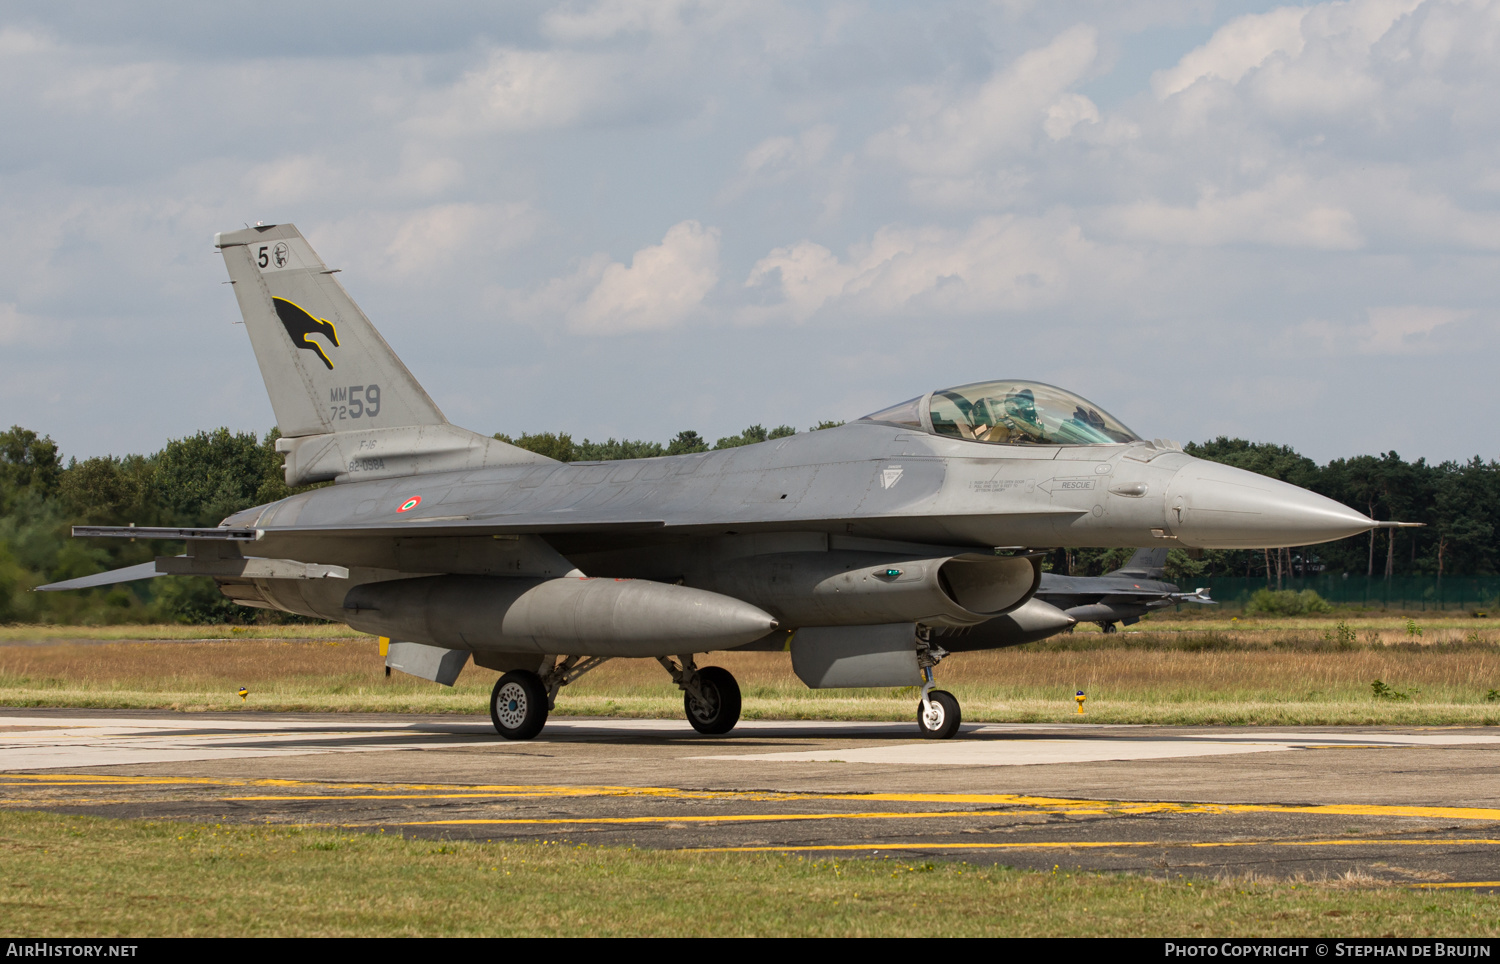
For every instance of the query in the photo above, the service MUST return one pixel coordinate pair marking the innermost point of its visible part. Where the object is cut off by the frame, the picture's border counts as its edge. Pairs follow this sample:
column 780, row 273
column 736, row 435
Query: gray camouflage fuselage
column 913, row 523
column 874, row 492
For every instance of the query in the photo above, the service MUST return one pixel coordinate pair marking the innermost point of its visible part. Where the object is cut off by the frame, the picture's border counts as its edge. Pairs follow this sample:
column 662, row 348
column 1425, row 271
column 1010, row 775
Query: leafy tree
column 1277, row 461
column 554, row 445
column 753, row 434
column 28, row 462
column 202, row 479
column 686, row 442
column 612, row 451
column 108, row 491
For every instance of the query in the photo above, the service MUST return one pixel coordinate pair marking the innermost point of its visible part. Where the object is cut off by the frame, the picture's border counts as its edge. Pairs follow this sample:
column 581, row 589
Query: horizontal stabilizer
column 145, row 570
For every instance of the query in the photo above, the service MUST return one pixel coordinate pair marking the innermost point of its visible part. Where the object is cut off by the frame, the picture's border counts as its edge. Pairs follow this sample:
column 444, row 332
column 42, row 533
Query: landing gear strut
column 521, row 700
column 1108, row 628
column 710, row 695
column 938, row 714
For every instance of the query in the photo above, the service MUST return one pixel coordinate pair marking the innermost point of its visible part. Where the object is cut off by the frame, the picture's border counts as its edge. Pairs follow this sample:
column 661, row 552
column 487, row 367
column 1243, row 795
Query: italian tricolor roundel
column 410, row 504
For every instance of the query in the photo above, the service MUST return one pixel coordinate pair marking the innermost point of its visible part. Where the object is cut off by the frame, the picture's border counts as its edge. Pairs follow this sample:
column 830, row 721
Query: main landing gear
column 710, row 695
column 521, row 699
column 938, row 714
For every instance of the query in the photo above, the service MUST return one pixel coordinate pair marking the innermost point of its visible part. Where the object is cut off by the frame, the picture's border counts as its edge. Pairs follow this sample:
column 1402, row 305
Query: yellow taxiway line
column 334, row 792
column 708, row 818
column 1097, row 845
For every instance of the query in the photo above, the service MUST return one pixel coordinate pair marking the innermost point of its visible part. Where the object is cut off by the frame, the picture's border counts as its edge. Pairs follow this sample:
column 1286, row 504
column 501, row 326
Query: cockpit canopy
column 1009, row 413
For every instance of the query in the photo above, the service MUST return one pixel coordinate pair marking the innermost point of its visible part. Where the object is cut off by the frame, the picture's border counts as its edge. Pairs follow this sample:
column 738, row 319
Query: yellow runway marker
column 333, row 792
column 1461, row 883
column 1081, row 845
column 708, row 818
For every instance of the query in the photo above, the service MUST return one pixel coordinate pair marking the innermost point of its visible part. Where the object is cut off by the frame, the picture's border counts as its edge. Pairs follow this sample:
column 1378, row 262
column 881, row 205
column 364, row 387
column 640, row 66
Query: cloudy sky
column 633, row 217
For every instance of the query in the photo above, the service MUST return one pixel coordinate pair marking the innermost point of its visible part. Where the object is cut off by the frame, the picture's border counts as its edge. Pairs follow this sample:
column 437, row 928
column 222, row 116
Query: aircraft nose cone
column 1214, row 506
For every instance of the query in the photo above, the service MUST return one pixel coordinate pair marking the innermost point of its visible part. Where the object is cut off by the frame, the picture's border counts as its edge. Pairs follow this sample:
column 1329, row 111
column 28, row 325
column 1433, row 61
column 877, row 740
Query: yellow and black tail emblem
column 299, row 325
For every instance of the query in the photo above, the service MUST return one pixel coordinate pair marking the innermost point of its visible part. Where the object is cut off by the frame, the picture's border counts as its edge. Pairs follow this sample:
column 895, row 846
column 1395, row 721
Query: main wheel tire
column 518, row 705
column 1109, row 627
column 719, row 710
column 943, row 720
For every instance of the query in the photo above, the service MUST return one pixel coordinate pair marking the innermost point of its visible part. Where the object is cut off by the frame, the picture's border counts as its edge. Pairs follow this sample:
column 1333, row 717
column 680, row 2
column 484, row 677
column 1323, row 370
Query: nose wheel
column 938, row 716
column 518, row 705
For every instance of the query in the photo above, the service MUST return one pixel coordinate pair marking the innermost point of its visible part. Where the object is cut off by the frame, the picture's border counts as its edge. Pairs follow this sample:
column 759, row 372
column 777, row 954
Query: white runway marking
column 47, row 742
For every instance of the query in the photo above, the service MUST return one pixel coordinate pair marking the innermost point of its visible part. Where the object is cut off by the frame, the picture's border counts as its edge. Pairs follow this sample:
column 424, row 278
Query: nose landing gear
column 938, row 714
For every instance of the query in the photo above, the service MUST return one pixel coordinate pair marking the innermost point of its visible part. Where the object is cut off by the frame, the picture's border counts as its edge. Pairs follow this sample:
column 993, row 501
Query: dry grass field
column 1302, row 671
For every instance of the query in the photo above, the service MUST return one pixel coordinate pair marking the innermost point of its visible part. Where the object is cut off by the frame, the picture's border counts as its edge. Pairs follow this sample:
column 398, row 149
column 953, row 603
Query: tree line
column 199, row 480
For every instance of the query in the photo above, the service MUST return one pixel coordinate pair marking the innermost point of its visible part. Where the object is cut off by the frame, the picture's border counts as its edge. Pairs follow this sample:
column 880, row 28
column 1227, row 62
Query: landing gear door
column 825, row 657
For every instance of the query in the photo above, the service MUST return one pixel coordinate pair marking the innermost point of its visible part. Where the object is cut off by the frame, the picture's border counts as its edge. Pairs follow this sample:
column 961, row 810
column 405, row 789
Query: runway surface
column 1419, row 806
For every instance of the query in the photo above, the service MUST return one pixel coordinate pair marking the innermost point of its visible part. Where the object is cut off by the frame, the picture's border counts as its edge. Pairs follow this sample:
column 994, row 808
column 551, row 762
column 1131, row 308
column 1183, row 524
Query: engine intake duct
column 572, row 616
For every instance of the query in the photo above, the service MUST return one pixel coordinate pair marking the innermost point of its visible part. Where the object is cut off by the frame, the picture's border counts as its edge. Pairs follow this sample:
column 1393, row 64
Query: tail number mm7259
column 356, row 401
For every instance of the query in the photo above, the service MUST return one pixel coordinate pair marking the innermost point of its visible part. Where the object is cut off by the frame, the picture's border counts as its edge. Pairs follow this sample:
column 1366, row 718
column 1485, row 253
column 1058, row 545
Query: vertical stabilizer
column 1145, row 564
column 326, row 367
column 346, row 405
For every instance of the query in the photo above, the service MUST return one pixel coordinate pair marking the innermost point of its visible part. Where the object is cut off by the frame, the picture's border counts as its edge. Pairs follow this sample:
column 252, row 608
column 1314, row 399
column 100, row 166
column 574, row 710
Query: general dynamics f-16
column 869, row 551
column 1124, row 595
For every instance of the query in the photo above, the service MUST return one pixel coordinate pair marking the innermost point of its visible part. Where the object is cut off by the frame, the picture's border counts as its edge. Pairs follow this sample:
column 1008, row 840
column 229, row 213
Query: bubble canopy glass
column 1009, row 413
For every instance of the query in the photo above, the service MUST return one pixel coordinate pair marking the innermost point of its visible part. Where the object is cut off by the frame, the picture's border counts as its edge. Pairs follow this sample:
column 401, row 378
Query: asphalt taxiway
column 1420, row 806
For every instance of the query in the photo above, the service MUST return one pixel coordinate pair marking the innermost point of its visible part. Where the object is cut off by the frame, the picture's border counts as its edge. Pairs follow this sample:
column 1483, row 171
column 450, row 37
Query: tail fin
column 346, row 405
column 320, row 356
column 1145, row 564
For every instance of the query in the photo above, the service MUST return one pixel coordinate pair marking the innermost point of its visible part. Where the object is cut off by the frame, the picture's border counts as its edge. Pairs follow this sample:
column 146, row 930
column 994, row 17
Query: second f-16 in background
column 1122, row 596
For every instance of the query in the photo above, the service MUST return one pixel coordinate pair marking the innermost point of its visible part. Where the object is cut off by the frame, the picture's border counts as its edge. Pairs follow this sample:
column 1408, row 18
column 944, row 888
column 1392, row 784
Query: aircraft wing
column 483, row 524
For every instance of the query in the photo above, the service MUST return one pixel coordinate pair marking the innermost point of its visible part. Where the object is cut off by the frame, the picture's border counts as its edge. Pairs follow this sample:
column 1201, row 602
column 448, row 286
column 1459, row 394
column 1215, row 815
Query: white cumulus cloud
column 1387, row 330
column 954, row 132
column 1004, row 263
column 662, row 287
column 1290, row 211
column 524, row 90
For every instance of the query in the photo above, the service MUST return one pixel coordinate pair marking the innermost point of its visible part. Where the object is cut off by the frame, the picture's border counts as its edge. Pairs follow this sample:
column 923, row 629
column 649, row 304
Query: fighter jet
column 868, row 551
column 1123, row 596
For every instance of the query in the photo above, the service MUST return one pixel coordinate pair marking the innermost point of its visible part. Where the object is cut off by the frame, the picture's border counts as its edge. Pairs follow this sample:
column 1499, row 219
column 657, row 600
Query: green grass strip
column 68, row 876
